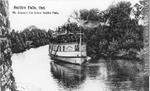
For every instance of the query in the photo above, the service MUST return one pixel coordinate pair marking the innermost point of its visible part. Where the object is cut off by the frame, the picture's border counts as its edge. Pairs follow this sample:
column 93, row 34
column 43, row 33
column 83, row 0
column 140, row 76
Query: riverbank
column 31, row 37
column 28, row 48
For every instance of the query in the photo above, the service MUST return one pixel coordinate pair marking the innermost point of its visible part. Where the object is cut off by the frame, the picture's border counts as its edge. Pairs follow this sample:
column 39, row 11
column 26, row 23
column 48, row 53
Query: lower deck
column 70, row 59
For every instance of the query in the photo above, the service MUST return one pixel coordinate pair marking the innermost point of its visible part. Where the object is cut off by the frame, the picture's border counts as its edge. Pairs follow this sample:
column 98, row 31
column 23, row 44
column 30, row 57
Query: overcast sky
column 51, row 21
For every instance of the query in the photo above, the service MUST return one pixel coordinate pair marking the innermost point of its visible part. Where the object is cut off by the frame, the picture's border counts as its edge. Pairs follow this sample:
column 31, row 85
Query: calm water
column 35, row 71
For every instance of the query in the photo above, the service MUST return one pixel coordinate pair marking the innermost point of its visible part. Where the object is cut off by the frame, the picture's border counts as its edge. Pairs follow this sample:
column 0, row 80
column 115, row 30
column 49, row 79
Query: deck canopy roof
column 68, row 38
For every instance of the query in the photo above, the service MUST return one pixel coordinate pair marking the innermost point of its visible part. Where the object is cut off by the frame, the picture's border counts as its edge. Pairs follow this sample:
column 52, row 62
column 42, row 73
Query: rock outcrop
column 6, row 78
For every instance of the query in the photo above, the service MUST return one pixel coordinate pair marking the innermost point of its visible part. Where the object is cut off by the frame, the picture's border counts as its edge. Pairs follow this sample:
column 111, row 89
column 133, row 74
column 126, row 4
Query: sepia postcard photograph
column 74, row 45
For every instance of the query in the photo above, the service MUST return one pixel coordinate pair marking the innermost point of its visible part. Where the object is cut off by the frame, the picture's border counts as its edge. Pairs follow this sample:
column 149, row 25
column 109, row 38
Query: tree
column 114, row 29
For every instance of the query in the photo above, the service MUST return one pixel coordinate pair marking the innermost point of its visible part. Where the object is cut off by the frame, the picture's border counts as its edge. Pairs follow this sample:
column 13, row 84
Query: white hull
column 73, row 60
column 67, row 52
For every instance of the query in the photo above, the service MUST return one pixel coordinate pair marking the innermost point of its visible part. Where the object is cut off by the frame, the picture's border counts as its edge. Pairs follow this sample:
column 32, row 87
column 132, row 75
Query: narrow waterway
column 35, row 71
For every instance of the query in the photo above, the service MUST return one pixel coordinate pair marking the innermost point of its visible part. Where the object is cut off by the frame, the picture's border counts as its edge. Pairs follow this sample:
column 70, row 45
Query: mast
column 80, row 43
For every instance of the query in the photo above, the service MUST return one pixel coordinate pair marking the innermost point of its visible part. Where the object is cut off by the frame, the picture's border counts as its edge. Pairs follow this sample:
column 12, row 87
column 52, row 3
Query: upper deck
column 68, row 38
column 67, row 47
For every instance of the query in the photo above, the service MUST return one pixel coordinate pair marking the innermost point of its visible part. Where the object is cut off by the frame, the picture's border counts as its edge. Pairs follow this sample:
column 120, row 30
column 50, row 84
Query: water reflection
column 68, row 76
column 124, row 79
column 95, row 77
column 35, row 71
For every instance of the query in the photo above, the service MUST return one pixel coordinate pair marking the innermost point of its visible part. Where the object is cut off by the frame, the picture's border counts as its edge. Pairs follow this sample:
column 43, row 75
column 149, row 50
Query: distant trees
column 28, row 38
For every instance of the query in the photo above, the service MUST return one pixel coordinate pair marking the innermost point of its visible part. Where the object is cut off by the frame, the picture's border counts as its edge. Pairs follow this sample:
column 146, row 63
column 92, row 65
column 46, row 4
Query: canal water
column 35, row 71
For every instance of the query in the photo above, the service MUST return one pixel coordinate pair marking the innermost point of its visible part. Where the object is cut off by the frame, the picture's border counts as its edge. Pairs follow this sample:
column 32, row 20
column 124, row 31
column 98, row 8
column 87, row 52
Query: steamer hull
column 73, row 60
column 68, row 52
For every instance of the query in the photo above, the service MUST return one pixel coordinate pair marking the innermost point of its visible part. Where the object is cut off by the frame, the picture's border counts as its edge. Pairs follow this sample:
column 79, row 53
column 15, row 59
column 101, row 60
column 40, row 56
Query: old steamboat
column 68, row 48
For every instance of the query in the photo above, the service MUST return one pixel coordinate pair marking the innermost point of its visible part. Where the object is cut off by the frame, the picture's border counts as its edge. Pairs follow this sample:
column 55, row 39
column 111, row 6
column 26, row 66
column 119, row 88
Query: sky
column 50, row 21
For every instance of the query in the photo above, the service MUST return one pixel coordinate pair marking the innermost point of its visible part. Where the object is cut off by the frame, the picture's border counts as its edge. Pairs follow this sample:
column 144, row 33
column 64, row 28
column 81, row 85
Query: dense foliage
column 28, row 38
column 116, row 33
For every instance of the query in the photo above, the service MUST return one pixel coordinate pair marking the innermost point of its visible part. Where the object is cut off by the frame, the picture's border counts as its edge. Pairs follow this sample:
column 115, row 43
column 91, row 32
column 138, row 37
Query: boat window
column 59, row 48
column 76, row 47
column 63, row 48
